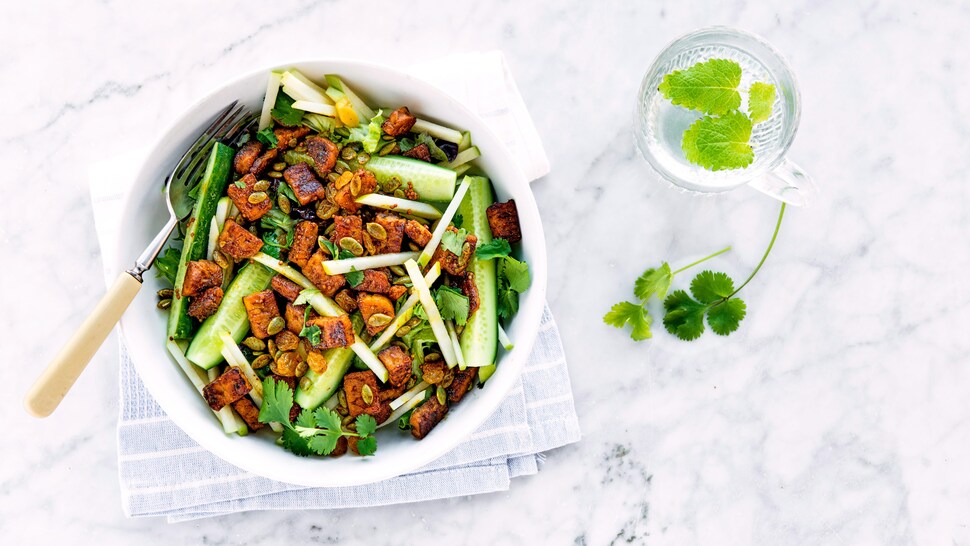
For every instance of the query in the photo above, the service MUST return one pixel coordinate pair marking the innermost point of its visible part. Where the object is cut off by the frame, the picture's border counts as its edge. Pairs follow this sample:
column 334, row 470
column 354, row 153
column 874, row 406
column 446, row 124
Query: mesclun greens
column 721, row 139
column 712, row 296
column 314, row 431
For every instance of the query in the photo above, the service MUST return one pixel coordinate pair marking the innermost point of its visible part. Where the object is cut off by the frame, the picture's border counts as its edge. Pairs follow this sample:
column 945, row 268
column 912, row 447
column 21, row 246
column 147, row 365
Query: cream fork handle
column 60, row 375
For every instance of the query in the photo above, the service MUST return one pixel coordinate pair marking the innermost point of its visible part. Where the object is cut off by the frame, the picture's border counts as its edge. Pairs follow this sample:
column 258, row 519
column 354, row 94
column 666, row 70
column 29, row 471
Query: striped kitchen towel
column 163, row 472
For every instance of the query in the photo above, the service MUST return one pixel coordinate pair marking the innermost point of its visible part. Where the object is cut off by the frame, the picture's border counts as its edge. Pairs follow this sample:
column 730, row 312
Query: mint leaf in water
column 718, row 143
column 761, row 97
column 710, row 86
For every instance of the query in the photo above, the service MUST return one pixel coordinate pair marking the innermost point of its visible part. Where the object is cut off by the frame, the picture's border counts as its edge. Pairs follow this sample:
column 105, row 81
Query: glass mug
column 660, row 125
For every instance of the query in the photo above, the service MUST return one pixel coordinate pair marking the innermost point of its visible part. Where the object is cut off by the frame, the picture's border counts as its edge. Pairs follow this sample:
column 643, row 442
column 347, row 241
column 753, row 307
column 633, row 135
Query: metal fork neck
column 145, row 260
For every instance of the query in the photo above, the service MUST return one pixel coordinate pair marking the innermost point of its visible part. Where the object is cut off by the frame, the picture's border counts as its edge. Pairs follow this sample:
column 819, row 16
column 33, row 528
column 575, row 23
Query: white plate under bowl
column 398, row 453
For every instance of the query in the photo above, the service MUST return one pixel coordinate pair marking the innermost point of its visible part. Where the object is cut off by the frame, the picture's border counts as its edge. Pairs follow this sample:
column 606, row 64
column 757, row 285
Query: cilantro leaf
column 267, row 137
column 508, row 300
column 453, row 241
column 684, row 317
column 310, row 331
column 305, row 295
column 366, row 425
column 354, row 277
column 167, row 264
column 761, row 97
column 635, row 315
column 725, row 317
column 495, row 248
column 284, row 113
column 517, row 274
column 296, row 443
column 305, row 419
column 331, row 248
column 327, row 419
column 325, row 443
column 457, row 220
column 710, row 87
column 367, row 446
column 653, row 281
column 718, row 143
column 277, row 401
column 452, row 304
column 709, row 286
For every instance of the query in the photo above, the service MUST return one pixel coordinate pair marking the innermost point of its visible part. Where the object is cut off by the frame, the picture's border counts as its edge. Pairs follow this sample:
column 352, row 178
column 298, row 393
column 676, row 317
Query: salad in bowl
column 347, row 267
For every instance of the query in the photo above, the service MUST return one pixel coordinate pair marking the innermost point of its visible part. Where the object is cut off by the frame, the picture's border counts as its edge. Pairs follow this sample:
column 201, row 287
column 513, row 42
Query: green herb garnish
column 315, row 431
column 712, row 295
column 267, row 137
column 452, row 304
column 284, row 113
column 167, row 264
column 496, row 248
column 311, row 332
column 453, row 241
column 721, row 139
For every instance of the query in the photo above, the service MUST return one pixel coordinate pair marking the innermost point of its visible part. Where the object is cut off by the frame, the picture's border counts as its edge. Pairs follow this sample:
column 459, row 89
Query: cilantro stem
column 774, row 236
column 702, row 260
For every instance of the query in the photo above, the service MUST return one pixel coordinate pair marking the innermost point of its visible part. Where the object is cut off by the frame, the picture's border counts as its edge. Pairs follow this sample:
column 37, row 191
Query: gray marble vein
column 837, row 414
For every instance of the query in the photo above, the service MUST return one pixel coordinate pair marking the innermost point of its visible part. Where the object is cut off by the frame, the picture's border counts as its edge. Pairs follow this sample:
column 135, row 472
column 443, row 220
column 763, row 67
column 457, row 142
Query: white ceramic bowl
column 398, row 453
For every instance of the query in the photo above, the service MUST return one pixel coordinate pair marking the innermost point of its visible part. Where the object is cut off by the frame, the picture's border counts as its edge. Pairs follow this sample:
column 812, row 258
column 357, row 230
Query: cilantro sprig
column 314, row 431
column 513, row 275
column 712, row 296
column 354, row 277
column 720, row 139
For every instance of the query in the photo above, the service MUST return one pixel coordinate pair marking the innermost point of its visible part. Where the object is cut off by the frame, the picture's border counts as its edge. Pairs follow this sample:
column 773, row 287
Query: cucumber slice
column 205, row 350
column 479, row 339
column 431, row 182
column 211, row 187
column 314, row 388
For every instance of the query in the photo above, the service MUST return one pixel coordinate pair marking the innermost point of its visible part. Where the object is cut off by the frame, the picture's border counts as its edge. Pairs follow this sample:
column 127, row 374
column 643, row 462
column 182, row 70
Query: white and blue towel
column 163, row 472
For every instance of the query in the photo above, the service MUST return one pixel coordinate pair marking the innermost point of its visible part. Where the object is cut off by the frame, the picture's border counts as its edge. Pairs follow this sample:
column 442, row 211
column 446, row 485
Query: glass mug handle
column 787, row 183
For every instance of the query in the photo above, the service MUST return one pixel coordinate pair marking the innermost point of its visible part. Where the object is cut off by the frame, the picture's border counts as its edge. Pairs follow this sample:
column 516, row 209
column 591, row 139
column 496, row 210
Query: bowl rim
column 212, row 438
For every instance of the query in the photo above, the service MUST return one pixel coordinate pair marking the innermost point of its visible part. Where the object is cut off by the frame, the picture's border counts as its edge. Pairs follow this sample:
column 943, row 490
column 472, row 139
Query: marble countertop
column 836, row 414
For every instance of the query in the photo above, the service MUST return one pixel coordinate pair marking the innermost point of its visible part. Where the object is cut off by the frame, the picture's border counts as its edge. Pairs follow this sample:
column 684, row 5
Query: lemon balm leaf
column 761, row 97
column 710, row 87
column 718, row 143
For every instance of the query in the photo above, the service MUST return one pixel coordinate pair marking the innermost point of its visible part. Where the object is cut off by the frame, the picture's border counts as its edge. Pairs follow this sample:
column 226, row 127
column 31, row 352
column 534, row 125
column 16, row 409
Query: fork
column 59, row 376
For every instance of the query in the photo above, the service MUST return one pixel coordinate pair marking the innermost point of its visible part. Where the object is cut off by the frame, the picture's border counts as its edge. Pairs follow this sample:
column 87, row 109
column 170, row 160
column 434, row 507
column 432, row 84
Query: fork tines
column 229, row 125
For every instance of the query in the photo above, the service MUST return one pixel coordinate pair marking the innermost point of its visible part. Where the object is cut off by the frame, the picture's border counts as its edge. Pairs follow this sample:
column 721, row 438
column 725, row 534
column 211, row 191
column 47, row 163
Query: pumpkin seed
column 442, row 395
column 387, row 137
column 305, row 383
column 399, row 193
column 330, row 229
column 449, row 377
column 271, row 348
column 274, row 174
column 378, row 320
column 402, row 281
column 343, row 179
column 257, row 197
column 367, row 394
column 414, row 247
column 432, row 357
column 363, row 158
column 398, row 270
column 392, row 183
column 275, row 325
column 166, row 293
column 414, row 322
column 301, row 369
column 347, row 421
column 403, row 331
column 332, row 178
column 279, row 166
column 350, row 244
column 341, row 398
column 262, row 185
column 339, row 169
column 261, row 361
column 322, row 243
column 164, row 304
column 377, row 231
column 355, row 186
column 348, row 153
column 283, row 203
column 387, row 149
column 301, row 149
column 254, row 343
column 220, row 259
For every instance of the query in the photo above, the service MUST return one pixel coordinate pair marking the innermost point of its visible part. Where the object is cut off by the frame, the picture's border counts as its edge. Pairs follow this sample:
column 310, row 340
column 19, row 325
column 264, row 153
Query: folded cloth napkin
column 164, row 472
